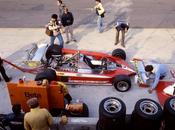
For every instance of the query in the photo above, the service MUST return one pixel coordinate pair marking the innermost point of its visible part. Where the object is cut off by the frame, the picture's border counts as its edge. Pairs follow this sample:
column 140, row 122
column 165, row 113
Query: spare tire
column 119, row 53
column 122, row 83
column 48, row 74
column 53, row 50
column 169, row 113
column 112, row 112
column 147, row 115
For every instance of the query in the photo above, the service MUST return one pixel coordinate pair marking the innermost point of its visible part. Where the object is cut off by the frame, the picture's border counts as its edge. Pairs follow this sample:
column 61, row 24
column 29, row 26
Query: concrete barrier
column 75, row 123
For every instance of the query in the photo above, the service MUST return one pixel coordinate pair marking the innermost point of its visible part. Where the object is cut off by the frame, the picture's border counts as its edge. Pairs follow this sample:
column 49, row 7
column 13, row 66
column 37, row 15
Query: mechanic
column 37, row 118
column 15, row 120
column 123, row 27
column 65, row 91
column 3, row 73
column 154, row 73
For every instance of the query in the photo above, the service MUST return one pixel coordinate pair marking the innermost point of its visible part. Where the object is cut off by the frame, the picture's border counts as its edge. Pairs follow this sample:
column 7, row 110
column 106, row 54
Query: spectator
column 100, row 13
column 67, row 20
column 123, row 27
column 154, row 72
column 16, row 119
column 61, row 6
column 37, row 118
column 55, row 25
column 3, row 73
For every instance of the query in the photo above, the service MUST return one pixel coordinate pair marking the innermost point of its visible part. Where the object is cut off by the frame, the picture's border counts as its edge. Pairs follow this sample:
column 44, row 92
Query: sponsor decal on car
column 89, row 81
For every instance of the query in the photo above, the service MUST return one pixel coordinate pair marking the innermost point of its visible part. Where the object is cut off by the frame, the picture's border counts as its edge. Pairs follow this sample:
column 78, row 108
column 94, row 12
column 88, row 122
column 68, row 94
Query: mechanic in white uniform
column 155, row 72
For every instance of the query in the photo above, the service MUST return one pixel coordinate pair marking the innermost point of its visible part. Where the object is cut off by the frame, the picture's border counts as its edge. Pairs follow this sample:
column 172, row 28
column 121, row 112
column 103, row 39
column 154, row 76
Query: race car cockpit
column 96, row 64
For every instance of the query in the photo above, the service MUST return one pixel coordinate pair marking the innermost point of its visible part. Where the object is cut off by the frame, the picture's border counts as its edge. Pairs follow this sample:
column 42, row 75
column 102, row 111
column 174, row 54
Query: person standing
column 61, row 6
column 54, row 25
column 37, row 118
column 67, row 21
column 3, row 73
column 100, row 11
column 122, row 27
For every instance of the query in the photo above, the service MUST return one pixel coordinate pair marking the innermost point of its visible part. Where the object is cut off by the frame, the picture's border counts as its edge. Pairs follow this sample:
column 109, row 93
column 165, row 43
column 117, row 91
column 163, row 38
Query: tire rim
column 122, row 85
column 172, row 104
column 112, row 105
column 149, row 107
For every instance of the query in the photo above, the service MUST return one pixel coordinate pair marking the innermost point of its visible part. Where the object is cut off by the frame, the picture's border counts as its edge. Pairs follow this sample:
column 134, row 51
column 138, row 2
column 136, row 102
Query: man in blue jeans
column 100, row 13
column 54, row 25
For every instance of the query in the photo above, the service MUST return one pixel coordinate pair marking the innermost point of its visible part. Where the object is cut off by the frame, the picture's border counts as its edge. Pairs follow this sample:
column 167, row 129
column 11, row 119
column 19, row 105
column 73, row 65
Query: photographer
column 54, row 25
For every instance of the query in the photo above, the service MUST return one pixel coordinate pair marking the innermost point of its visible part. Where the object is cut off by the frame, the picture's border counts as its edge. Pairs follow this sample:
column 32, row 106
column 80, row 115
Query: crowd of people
column 63, row 23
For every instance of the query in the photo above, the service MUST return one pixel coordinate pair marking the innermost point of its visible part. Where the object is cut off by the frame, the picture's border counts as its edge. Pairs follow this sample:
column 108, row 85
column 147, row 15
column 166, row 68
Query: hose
column 27, row 70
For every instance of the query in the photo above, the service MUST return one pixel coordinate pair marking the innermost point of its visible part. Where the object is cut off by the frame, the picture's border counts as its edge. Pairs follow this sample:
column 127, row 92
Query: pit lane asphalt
column 139, row 13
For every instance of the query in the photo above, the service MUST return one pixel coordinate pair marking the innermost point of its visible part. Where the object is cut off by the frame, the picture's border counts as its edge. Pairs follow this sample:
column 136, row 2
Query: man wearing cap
column 38, row 118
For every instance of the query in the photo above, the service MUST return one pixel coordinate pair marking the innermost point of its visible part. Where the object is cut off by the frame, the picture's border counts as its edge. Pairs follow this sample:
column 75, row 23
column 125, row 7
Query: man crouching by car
column 155, row 72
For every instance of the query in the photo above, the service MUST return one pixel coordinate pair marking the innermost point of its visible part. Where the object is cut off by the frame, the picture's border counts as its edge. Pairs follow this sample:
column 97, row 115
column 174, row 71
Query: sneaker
column 74, row 40
column 67, row 42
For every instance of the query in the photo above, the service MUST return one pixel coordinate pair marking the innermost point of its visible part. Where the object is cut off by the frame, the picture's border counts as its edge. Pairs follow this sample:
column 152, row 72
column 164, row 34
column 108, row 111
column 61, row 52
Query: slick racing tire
column 112, row 112
column 147, row 115
column 48, row 74
column 119, row 53
column 53, row 50
column 98, row 126
column 122, row 83
column 169, row 113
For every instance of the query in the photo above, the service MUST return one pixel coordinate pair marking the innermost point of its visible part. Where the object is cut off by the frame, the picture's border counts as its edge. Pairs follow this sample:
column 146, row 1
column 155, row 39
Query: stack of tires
column 169, row 114
column 147, row 115
column 112, row 113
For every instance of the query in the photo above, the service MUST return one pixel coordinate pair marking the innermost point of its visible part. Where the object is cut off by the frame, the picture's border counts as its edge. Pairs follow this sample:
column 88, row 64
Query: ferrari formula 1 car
column 82, row 67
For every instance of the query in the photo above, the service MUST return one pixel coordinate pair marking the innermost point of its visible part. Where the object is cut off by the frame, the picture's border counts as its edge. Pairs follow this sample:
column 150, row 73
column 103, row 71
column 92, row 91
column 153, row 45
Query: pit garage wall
column 75, row 123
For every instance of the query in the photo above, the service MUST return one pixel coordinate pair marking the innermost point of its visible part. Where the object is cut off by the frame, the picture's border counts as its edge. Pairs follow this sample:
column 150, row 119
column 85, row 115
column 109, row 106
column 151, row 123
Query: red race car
column 82, row 67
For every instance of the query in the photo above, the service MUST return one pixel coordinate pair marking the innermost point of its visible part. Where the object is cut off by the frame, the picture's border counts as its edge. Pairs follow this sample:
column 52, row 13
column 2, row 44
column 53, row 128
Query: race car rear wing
column 35, row 55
